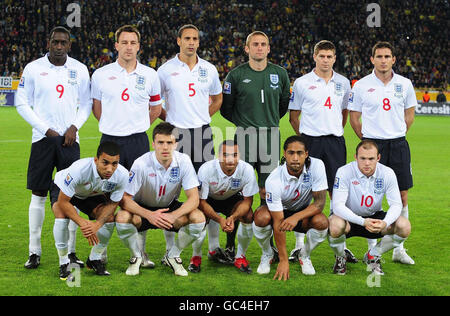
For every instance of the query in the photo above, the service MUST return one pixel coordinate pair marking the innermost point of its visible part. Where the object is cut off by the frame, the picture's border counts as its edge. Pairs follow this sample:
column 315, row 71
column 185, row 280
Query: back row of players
column 55, row 96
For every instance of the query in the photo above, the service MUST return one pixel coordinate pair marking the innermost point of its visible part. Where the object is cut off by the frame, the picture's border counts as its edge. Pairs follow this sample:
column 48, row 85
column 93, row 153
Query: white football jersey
column 59, row 95
column 382, row 107
column 186, row 92
column 355, row 195
column 82, row 180
column 125, row 98
column 321, row 104
column 286, row 192
column 219, row 186
column 154, row 186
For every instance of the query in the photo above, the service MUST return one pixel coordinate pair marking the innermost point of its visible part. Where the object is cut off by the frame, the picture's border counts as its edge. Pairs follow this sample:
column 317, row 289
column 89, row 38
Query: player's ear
column 393, row 59
column 246, row 49
column 378, row 157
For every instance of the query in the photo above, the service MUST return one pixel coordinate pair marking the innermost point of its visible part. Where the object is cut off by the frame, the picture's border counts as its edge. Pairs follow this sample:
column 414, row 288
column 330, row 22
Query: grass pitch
column 428, row 244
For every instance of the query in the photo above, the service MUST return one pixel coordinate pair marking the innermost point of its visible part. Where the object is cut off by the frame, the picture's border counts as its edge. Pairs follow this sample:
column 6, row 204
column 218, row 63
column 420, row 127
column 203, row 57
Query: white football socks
column 338, row 245
column 262, row 236
column 244, row 237
column 128, row 233
column 61, row 235
column 36, row 215
column 313, row 238
column 213, row 235
column 186, row 236
column 104, row 235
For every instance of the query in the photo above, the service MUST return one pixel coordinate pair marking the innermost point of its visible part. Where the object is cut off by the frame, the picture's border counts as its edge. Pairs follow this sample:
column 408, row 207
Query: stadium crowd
column 418, row 29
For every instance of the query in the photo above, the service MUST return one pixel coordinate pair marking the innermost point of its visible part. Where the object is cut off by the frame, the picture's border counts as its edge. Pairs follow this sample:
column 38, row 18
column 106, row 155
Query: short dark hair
column 128, row 29
column 293, row 139
column 185, row 27
column 324, row 45
column 227, row 142
column 108, row 147
column 163, row 128
column 59, row 29
column 379, row 45
column 367, row 144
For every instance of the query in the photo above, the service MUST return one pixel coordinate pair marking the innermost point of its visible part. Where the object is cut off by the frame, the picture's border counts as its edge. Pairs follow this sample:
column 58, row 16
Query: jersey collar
column 49, row 64
column 182, row 64
column 317, row 78
column 173, row 163
column 94, row 170
column 379, row 82
column 221, row 173
column 362, row 175
column 120, row 69
column 289, row 177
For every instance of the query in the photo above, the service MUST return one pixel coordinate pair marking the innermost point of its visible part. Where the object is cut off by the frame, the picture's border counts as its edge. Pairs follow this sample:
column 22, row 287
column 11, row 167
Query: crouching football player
column 358, row 194
column 95, row 186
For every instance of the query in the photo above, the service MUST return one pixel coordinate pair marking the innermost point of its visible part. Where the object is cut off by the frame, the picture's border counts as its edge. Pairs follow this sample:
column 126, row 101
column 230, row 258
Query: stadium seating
column 416, row 28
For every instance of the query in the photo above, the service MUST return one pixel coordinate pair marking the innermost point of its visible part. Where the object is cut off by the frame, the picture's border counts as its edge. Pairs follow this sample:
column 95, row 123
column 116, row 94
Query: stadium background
column 419, row 30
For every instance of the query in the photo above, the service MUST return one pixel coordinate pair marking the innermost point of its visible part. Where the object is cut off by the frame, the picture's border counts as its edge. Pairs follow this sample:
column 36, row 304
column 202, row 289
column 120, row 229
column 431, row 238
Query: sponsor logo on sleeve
column 336, row 183
column 269, row 197
column 350, row 97
column 22, row 82
column 131, row 176
column 68, row 179
column 227, row 87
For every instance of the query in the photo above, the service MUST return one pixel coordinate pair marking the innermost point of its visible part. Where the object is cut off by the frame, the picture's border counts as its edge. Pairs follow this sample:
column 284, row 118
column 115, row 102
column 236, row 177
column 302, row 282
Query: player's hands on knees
column 282, row 271
column 160, row 219
column 229, row 224
column 288, row 224
column 70, row 136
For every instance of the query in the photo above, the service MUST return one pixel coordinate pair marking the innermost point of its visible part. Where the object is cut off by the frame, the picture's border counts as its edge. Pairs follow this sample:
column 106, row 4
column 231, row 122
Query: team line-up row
column 56, row 96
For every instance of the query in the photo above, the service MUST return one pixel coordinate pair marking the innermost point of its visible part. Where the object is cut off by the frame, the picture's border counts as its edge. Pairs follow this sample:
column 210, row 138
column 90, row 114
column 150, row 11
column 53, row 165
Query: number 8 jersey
column 356, row 196
column 382, row 107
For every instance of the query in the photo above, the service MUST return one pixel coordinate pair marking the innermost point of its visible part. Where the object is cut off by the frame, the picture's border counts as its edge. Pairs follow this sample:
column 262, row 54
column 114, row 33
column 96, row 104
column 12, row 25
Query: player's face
column 325, row 60
column 258, row 48
column 189, row 42
column 164, row 145
column 59, row 46
column 229, row 158
column 127, row 46
column 106, row 165
column 295, row 155
column 367, row 160
column 383, row 60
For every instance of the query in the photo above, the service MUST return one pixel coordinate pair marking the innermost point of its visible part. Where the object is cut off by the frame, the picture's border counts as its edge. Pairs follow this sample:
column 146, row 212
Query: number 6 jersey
column 355, row 195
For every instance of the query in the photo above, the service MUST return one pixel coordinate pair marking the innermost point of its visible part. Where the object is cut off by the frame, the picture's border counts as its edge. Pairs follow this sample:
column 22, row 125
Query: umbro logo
column 43, row 74
column 371, row 90
column 355, row 182
column 312, row 88
column 246, row 80
column 112, row 78
column 173, row 74
column 152, row 175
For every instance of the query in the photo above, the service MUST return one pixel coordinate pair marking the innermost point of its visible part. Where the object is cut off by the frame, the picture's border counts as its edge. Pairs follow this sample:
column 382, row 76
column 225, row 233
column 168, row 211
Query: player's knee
column 262, row 216
column 196, row 216
column 319, row 222
column 123, row 217
column 403, row 227
column 57, row 211
column 336, row 226
column 247, row 218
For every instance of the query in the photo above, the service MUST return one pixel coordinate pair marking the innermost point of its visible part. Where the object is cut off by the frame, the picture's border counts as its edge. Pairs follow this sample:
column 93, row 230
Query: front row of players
column 295, row 195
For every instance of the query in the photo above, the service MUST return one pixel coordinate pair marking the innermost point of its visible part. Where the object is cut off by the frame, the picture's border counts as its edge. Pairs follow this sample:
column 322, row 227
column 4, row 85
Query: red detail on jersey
column 174, row 74
column 371, row 90
column 43, row 74
column 213, row 183
column 155, row 98
column 152, row 175
column 312, row 87
column 355, row 182
column 287, row 187
column 297, row 195
column 112, row 78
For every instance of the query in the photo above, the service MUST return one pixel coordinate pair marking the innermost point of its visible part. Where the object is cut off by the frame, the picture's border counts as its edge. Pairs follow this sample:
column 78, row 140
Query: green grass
column 429, row 207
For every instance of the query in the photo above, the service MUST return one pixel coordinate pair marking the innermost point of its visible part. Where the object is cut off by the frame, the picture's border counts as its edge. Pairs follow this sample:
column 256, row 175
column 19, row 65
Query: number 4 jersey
column 382, row 106
column 355, row 195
